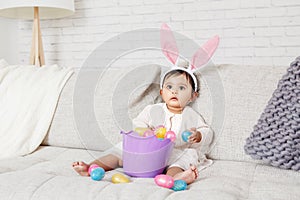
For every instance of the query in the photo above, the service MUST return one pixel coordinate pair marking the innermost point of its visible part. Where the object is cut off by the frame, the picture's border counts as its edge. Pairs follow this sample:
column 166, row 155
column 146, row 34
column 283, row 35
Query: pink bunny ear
column 168, row 43
column 203, row 54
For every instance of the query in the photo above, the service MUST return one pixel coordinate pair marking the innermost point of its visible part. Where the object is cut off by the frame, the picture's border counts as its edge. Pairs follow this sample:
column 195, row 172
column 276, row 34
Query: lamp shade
column 24, row 9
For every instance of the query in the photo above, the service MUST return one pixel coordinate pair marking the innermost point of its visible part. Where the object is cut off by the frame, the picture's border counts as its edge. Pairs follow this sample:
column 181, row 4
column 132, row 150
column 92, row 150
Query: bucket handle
column 125, row 133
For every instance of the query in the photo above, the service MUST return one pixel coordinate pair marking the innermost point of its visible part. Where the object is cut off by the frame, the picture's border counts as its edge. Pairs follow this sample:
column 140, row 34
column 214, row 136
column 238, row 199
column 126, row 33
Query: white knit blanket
column 28, row 98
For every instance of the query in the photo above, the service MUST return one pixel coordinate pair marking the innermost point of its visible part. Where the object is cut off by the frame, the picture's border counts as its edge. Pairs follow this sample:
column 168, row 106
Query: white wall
column 251, row 31
column 9, row 40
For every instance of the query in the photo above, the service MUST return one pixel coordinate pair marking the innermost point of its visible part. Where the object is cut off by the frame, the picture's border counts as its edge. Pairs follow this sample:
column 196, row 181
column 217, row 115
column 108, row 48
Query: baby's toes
column 196, row 174
column 75, row 164
column 79, row 164
column 195, row 171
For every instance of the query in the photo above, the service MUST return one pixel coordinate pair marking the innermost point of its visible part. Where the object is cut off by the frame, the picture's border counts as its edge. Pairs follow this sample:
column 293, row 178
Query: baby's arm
column 142, row 120
column 195, row 137
column 201, row 136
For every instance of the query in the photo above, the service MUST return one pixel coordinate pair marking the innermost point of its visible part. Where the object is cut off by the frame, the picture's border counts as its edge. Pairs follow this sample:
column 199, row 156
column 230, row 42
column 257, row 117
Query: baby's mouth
column 174, row 99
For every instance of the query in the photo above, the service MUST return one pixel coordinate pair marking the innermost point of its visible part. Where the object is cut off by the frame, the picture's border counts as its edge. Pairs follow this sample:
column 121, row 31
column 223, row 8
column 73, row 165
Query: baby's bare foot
column 81, row 168
column 189, row 175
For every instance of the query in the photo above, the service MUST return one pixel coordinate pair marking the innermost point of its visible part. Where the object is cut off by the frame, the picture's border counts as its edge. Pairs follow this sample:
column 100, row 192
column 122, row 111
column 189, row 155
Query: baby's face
column 177, row 92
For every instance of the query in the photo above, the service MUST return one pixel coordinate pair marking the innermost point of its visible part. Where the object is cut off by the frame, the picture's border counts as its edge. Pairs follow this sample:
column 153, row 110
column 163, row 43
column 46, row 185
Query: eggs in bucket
column 160, row 132
column 146, row 155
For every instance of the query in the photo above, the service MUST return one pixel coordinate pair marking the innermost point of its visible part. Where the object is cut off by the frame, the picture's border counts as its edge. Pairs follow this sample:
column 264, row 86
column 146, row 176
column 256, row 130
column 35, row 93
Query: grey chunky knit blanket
column 276, row 136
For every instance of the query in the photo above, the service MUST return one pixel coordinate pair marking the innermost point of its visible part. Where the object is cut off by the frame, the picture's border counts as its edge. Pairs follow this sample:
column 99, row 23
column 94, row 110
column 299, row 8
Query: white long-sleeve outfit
column 183, row 153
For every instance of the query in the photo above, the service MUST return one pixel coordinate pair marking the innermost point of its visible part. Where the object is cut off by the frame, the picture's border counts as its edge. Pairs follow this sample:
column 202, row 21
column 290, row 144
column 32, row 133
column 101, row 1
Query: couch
column 232, row 99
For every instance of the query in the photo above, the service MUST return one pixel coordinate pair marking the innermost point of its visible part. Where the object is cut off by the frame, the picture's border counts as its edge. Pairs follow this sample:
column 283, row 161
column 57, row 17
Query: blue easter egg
column 179, row 185
column 185, row 135
column 97, row 174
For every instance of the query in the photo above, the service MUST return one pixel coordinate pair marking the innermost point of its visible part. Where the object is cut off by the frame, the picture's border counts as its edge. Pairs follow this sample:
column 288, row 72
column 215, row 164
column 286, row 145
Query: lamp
column 36, row 10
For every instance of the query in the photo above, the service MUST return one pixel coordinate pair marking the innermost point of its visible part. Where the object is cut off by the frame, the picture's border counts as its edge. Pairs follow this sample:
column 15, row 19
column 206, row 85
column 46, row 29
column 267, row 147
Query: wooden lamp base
column 37, row 53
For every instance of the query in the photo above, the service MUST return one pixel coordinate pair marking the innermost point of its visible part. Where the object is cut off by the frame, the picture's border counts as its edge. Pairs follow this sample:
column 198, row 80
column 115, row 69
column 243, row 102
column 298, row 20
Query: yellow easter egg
column 119, row 178
column 160, row 132
column 140, row 130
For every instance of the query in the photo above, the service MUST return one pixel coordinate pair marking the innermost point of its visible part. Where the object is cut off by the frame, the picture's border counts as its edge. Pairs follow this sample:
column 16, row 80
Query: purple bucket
column 145, row 156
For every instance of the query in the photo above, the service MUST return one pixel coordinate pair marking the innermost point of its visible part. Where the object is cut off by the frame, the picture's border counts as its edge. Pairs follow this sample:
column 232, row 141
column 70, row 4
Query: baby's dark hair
column 187, row 76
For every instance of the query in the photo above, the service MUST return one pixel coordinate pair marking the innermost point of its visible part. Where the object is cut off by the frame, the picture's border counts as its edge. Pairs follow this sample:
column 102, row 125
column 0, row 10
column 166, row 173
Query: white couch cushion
column 246, row 90
column 232, row 98
column 47, row 174
column 116, row 99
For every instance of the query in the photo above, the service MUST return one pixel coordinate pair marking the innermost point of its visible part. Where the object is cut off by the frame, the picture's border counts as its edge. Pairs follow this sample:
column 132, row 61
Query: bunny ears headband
column 170, row 50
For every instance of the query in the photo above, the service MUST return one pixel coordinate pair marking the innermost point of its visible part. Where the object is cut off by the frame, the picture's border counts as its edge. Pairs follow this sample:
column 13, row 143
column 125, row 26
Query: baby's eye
column 169, row 87
column 182, row 88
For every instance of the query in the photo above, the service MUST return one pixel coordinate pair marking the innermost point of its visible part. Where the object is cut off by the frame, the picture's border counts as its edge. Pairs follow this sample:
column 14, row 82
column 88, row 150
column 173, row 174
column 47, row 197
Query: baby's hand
column 195, row 137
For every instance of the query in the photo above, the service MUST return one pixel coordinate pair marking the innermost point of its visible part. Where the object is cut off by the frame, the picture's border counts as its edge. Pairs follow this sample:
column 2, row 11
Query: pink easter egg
column 92, row 167
column 164, row 181
column 170, row 135
column 148, row 133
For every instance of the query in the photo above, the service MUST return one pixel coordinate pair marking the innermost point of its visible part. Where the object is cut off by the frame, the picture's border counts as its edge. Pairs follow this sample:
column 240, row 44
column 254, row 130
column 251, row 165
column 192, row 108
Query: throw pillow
column 3, row 63
column 276, row 136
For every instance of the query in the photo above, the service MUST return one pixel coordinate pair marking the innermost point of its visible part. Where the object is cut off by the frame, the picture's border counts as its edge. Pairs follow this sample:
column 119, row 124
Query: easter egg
column 179, row 185
column 97, row 174
column 148, row 133
column 160, row 132
column 119, row 178
column 170, row 135
column 92, row 167
column 185, row 135
column 164, row 181
column 140, row 130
